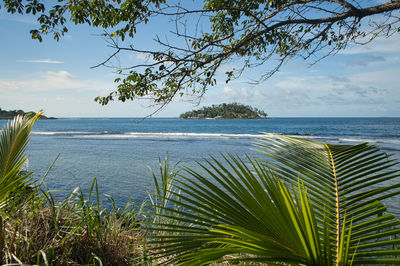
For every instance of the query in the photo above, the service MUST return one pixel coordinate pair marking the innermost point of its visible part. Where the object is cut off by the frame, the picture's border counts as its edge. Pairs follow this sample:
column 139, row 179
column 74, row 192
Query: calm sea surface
column 119, row 151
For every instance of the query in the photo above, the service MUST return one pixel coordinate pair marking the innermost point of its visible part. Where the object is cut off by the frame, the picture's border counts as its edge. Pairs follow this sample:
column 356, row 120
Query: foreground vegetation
column 225, row 111
column 76, row 231
column 35, row 229
column 300, row 203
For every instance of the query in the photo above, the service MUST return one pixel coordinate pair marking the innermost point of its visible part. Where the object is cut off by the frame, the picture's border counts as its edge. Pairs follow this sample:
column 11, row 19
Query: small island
column 225, row 111
column 10, row 114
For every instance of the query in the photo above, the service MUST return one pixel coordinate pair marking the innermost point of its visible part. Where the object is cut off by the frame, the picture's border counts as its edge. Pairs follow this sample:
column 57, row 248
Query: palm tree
column 14, row 138
column 302, row 202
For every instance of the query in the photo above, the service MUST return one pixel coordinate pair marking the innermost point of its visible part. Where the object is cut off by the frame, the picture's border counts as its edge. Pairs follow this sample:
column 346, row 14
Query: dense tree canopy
column 226, row 111
column 254, row 32
column 12, row 113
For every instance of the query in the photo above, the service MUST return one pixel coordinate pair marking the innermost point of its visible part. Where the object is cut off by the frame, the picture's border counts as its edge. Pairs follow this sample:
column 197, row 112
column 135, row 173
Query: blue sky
column 56, row 77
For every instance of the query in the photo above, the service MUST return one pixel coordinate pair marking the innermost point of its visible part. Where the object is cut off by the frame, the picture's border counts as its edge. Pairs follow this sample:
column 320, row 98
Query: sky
column 361, row 81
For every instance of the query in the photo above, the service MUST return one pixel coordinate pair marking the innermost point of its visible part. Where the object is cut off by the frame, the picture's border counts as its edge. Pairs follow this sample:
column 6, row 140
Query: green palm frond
column 14, row 138
column 309, row 203
column 246, row 210
column 349, row 180
column 13, row 180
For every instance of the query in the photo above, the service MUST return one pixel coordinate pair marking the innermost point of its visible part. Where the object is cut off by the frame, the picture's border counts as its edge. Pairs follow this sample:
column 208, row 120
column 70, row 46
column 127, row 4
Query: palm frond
column 14, row 138
column 343, row 180
column 308, row 203
column 13, row 180
column 244, row 209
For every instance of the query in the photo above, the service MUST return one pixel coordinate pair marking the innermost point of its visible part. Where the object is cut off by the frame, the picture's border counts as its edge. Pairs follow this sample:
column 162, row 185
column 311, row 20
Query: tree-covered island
column 225, row 111
column 10, row 114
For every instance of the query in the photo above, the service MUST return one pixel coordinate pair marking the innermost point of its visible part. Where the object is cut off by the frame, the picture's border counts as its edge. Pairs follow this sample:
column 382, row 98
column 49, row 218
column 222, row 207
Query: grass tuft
column 76, row 231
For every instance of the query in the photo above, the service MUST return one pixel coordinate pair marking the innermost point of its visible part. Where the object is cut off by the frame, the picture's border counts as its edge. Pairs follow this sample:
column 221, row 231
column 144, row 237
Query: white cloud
column 313, row 92
column 50, row 81
column 367, row 59
column 145, row 57
column 293, row 82
column 41, row 61
column 9, row 85
column 275, row 96
column 289, row 98
column 244, row 92
column 378, row 45
column 240, row 95
column 60, row 74
column 227, row 91
column 388, row 78
column 226, row 68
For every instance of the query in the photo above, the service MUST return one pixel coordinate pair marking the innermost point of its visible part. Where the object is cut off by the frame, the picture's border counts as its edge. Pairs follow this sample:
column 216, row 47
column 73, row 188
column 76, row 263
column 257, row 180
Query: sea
column 121, row 153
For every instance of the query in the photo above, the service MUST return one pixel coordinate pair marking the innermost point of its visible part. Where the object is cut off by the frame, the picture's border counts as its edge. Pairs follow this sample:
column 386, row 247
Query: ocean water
column 119, row 152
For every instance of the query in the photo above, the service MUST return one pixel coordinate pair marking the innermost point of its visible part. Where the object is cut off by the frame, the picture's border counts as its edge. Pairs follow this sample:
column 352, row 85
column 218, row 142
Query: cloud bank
column 41, row 61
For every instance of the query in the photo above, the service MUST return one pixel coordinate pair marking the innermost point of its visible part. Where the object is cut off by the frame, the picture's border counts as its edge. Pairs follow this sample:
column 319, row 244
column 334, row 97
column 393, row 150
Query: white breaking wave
column 61, row 133
column 174, row 135
column 185, row 135
column 386, row 141
column 111, row 135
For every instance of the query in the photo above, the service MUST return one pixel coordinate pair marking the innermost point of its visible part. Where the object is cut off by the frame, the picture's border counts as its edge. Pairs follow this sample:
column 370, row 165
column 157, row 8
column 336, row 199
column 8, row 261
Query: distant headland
column 225, row 111
column 10, row 114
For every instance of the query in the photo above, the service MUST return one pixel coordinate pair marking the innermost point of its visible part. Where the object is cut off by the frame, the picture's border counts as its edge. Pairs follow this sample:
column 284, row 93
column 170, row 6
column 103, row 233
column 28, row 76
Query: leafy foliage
column 14, row 139
column 310, row 203
column 344, row 180
column 257, row 32
column 227, row 111
column 12, row 113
